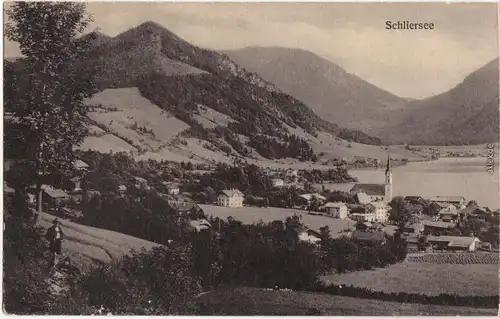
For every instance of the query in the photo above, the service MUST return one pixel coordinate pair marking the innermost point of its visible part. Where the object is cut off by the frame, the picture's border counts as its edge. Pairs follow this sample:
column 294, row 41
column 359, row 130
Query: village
column 361, row 212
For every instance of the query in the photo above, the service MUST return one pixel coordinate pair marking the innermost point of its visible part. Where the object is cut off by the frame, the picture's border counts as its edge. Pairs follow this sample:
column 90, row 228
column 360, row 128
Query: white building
column 381, row 211
column 230, row 198
column 80, row 165
column 278, row 182
column 171, row 188
column 309, row 197
column 310, row 236
column 337, row 210
column 363, row 217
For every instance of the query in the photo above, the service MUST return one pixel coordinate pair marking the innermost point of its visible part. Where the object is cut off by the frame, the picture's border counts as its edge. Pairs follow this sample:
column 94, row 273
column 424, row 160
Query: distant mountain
column 193, row 84
column 329, row 90
column 466, row 114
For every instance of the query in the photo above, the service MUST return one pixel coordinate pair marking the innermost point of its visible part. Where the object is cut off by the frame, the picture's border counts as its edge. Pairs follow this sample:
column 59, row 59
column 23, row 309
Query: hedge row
column 442, row 299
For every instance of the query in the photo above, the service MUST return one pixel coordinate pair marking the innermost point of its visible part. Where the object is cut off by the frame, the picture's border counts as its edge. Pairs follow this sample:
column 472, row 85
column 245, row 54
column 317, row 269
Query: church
column 376, row 198
column 368, row 193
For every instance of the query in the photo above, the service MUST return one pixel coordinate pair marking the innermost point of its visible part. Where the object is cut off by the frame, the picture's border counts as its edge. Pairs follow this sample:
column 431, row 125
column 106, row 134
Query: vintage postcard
column 251, row 159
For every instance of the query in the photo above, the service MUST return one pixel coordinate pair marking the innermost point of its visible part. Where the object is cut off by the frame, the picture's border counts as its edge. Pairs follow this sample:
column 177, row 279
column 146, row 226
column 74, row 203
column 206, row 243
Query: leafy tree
column 314, row 204
column 47, row 99
column 400, row 212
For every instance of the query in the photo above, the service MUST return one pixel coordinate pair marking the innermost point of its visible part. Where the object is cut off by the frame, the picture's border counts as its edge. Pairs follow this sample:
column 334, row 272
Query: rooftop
column 447, row 199
column 335, row 205
column 368, row 236
column 55, row 193
column 80, row 164
column 232, row 193
column 370, row 189
column 454, row 241
column 438, row 224
column 309, row 196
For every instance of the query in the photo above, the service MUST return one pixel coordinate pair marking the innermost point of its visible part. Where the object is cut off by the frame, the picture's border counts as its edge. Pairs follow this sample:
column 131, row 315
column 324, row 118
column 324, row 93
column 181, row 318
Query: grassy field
column 429, row 279
column 87, row 245
column 250, row 301
column 251, row 215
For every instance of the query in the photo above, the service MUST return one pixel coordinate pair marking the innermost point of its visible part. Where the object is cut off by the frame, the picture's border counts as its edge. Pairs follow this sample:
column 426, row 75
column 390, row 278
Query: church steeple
column 388, row 166
column 388, row 180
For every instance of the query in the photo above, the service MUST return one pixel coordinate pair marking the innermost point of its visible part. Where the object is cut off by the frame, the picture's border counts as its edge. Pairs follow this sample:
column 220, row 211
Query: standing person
column 55, row 236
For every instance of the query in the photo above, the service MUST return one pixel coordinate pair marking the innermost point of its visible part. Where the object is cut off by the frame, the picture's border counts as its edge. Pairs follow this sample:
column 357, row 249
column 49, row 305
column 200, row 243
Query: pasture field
column 253, row 301
column 88, row 245
column 252, row 215
column 425, row 278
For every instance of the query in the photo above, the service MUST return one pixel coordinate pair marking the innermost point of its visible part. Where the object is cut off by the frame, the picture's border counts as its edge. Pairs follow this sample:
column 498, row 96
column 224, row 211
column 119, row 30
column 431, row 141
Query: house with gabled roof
column 336, row 210
column 310, row 236
column 446, row 200
column 230, row 198
column 171, row 188
column 454, row 242
column 449, row 214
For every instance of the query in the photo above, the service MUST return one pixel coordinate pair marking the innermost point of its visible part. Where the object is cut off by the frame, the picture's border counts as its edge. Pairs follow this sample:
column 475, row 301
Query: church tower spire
column 388, row 180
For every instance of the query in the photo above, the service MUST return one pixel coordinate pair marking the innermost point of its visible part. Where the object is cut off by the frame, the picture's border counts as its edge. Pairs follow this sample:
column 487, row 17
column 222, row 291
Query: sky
column 412, row 64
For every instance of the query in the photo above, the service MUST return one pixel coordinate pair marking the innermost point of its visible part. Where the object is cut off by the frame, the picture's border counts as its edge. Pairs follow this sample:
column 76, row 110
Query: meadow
column 425, row 278
column 253, row 301
column 89, row 245
column 252, row 215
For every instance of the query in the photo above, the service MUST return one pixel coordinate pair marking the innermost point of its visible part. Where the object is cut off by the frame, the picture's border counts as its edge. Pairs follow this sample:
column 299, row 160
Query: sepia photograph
column 251, row 159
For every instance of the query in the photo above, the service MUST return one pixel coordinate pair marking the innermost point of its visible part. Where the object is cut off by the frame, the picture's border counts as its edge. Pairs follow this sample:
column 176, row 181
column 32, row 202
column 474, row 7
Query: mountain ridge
column 182, row 79
column 341, row 97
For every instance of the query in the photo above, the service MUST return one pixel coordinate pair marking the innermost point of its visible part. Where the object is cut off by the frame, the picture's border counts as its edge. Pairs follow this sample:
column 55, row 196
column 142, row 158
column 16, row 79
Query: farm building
column 55, row 197
column 200, row 225
column 473, row 211
column 414, row 199
column 336, row 210
column 449, row 214
column 446, row 200
column 80, row 165
column 454, row 242
column 310, row 236
column 436, row 226
column 376, row 237
column 183, row 205
column 413, row 228
column 230, row 198
column 309, row 197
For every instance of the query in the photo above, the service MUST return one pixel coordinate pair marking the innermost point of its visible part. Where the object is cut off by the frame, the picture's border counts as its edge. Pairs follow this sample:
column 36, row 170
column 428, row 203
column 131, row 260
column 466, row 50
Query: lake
column 467, row 177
